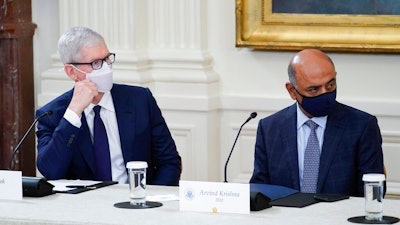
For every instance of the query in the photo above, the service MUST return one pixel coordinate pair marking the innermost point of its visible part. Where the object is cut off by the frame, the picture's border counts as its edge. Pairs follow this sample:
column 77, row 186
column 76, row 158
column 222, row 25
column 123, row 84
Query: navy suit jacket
column 352, row 146
column 65, row 151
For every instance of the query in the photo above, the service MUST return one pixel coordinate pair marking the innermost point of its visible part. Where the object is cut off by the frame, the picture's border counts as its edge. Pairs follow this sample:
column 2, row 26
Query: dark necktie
column 101, row 147
column 311, row 160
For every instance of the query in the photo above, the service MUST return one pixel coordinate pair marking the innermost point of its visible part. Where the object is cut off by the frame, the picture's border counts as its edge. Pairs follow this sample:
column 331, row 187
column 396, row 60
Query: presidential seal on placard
column 189, row 194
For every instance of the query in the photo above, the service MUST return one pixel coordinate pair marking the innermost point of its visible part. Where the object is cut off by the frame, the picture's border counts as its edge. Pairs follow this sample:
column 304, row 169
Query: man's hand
column 83, row 95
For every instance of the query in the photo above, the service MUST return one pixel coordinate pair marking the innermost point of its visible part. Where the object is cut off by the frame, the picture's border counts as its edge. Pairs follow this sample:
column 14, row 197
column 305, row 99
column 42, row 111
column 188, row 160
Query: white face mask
column 103, row 77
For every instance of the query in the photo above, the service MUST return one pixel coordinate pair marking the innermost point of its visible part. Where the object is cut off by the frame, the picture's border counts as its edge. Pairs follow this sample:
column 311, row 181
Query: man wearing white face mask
column 72, row 144
column 103, row 77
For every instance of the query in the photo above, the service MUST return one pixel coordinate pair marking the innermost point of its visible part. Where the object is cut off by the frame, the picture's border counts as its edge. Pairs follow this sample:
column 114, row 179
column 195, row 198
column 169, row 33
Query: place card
column 10, row 185
column 214, row 197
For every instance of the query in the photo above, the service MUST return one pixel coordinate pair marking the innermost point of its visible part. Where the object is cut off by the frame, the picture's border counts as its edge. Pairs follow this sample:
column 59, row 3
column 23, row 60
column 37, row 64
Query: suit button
column 71, row 139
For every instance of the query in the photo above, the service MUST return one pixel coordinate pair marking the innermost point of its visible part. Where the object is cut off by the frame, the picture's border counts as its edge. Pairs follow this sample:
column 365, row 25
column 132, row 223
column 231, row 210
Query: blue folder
column 272, row 191
column 287, row 197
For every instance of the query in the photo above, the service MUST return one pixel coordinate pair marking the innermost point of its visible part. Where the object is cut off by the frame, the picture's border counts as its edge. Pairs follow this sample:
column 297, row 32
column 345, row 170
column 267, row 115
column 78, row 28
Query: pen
column 81, row 186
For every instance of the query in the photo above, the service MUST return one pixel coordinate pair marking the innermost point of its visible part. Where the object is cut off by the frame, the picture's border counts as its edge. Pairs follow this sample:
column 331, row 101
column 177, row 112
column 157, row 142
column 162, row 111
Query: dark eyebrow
column 313, row 87
column 333, row 79
column 319, row 86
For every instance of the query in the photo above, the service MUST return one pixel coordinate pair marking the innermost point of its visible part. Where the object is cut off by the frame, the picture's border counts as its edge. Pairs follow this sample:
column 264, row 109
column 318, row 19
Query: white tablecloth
column 97, row 207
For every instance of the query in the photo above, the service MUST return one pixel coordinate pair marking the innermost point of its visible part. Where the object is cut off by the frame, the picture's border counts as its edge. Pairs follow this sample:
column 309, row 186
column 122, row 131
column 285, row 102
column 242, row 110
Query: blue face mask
column 320, row 105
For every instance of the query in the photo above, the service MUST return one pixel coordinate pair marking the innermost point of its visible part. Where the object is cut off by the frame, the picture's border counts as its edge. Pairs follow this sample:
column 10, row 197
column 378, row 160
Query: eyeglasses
column 98, row 63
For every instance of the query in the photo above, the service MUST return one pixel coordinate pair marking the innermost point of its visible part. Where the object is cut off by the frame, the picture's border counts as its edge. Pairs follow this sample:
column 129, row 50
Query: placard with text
column 214, row 197
column 10, row 185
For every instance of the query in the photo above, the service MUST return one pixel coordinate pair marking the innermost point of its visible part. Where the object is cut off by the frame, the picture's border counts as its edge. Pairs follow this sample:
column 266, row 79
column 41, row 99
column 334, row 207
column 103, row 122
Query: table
column 97, row 207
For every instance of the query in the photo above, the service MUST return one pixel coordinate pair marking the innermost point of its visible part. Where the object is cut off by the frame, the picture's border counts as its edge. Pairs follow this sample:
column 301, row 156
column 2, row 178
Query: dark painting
column 359, row 7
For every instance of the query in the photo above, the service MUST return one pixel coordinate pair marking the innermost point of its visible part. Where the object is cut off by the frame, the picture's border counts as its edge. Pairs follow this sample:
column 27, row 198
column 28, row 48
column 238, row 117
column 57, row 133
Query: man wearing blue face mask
column 98, row 126
column 317, row 145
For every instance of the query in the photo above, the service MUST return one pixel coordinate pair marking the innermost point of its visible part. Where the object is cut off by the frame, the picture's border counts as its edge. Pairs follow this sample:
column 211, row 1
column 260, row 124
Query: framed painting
column 340, row 25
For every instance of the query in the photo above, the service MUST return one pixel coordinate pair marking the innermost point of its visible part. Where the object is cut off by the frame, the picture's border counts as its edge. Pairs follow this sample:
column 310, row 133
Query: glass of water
column 373, row 193
column 137, row 182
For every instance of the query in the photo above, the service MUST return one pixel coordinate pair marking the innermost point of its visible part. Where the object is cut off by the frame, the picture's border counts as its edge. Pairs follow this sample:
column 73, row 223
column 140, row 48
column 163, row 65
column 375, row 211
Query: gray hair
column 71, row 43
column 292, row 75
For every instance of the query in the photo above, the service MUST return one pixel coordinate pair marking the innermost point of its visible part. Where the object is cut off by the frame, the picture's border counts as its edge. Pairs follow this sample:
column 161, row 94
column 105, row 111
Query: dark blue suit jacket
column 352, row 146
column 65, row 152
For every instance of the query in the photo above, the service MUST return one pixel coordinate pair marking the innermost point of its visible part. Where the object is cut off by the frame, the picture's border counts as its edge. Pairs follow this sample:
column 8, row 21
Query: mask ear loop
column 77, row 80
column 78, row 69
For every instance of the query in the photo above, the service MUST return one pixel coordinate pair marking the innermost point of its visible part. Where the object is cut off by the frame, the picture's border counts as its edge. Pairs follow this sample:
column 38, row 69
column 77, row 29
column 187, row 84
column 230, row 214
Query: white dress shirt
column 303, row 132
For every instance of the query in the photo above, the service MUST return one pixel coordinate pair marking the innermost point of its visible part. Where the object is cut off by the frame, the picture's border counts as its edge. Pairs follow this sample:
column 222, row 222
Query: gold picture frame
column 258, row 28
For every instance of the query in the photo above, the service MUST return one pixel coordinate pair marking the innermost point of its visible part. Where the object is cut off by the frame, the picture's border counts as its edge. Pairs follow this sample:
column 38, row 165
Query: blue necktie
column 311, row 160
column 101, row 147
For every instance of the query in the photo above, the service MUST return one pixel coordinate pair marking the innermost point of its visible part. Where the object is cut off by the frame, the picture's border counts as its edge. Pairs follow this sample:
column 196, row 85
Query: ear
column 70, row 71
column 291, row 90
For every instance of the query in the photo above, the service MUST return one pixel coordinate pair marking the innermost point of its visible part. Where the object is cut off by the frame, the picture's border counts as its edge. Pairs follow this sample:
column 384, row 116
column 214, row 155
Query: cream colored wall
column 185, row 52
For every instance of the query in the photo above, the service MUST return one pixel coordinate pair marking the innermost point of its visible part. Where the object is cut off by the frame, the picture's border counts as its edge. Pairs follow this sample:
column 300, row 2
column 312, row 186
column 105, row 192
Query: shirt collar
column 105, row 102
column 302, row 118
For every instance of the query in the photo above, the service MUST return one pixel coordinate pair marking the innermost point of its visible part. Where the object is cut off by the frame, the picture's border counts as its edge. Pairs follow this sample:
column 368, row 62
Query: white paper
column 62, row 185
column 214, row 197
column 10, row 185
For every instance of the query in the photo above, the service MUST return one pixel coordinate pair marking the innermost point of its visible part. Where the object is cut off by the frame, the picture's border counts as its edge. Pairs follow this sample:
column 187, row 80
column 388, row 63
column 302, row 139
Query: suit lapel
column 289, row 137
column 125, row 114
column 86, row 146
column 333, row 132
